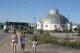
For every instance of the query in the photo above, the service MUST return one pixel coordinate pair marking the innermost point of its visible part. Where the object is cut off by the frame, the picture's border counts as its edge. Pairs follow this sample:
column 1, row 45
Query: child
column 34, row 43
column 23, row 41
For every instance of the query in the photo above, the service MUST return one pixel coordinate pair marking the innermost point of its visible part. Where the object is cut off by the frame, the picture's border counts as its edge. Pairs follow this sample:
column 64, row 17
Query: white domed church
column 54, row 21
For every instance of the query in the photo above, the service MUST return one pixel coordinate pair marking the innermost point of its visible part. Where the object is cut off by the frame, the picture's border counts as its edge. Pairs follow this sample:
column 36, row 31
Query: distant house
column 17, row 25
column 78, row 27
column 1, row 25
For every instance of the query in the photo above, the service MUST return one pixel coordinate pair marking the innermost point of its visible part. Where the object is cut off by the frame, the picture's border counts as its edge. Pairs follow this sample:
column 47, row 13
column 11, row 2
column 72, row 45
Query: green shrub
column 27, row 31
column 43, row 39
column 67, row 43
column 40, row 31
column 55, row 42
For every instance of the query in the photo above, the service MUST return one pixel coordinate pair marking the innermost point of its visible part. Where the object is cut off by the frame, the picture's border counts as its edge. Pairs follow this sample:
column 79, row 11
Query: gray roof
column 54, row 19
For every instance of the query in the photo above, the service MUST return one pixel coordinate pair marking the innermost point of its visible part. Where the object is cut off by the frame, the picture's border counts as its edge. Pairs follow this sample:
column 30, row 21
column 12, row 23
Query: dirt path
column 44, row 48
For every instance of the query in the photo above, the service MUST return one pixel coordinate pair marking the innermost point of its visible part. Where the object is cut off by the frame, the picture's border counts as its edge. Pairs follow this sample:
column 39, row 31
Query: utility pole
column 34, row 37
column 35, row 26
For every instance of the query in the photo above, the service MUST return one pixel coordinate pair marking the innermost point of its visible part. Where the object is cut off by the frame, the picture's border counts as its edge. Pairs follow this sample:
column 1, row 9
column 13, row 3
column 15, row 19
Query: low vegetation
column 43, row 39
column 46, row 38
column 67, row 43
column 28, row 30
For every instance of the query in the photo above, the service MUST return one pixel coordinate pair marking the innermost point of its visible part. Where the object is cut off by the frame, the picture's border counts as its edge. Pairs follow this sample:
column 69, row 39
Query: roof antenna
column 54, row 5
column 68, row 18
column 7, row 20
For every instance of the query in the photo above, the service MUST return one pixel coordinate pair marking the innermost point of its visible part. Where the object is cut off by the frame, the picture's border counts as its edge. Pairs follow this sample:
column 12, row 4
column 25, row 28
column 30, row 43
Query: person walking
column 34, row 44
column 23, row 41
column 14, row 41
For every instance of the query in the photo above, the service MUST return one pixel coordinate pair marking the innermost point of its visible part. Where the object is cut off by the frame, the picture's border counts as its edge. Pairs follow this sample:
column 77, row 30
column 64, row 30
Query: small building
column 1, row 25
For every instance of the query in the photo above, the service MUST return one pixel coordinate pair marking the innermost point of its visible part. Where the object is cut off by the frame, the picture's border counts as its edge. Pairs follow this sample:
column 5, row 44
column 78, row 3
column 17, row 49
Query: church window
column 46, row 25
column 38, row 24
column 55, row 26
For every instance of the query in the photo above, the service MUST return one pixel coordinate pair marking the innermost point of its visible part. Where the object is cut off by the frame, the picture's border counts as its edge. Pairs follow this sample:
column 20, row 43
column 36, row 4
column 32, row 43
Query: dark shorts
column 14, row 42
column 23, row 46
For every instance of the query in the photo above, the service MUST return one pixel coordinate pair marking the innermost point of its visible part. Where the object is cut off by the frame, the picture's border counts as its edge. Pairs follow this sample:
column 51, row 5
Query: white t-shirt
column 34, row 43
column 14, row 38
column 23, row 39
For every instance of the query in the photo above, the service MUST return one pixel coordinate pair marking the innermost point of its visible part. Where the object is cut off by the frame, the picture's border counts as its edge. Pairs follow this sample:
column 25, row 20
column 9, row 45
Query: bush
column 29, row 31
column 40, row 31
column 43, row 39
column 67, row 43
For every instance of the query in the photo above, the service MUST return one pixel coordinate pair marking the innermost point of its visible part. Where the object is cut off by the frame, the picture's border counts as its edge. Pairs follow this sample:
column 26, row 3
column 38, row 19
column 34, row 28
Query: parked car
column 76, row 33
column 6, row 30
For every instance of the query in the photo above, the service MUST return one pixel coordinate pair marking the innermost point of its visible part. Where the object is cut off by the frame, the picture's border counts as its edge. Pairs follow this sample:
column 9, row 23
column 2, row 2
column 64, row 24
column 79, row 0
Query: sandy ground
column 5, row 47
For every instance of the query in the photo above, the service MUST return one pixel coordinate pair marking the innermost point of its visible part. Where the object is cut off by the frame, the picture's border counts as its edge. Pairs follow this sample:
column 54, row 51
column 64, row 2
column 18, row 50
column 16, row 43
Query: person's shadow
column 42, row 52
column 37, row 52
column 31, row 52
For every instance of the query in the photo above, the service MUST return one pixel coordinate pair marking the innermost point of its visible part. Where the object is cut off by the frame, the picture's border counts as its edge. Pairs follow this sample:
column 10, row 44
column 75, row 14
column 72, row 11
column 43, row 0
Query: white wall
column 39, row 25
column 5, row 27
column 51, row 26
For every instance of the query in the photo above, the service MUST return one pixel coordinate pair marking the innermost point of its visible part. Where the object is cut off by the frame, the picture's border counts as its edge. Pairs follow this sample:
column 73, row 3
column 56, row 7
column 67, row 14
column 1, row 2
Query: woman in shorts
column 14, row 41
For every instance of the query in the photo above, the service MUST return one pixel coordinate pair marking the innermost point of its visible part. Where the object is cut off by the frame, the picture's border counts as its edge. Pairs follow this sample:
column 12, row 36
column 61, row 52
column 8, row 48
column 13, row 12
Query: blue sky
column 26, row 10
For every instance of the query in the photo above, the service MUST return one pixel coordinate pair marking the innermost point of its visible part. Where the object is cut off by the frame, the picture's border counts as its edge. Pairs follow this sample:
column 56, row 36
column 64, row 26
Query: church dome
column 54, row 17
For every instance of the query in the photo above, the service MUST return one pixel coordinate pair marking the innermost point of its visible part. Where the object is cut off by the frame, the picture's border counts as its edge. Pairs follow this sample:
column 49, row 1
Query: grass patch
column 67, row 43
column 43, row 39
